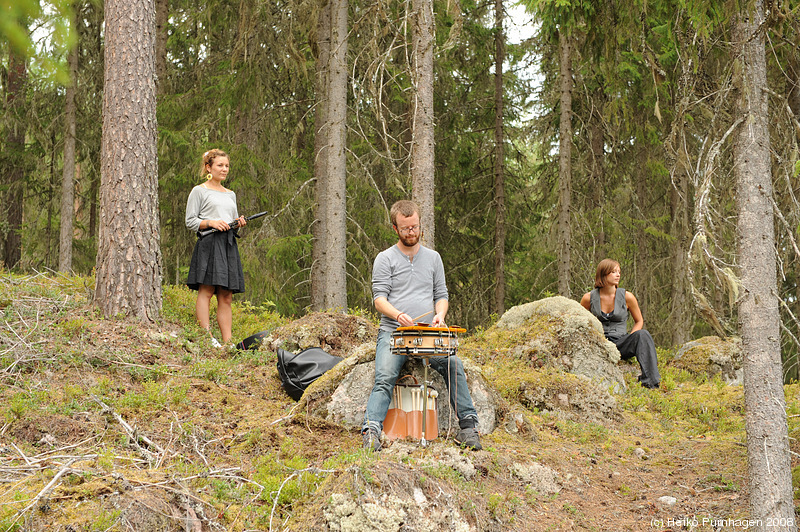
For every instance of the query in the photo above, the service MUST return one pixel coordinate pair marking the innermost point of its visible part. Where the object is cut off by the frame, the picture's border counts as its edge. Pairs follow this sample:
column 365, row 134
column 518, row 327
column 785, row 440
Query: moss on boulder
column 711, row 355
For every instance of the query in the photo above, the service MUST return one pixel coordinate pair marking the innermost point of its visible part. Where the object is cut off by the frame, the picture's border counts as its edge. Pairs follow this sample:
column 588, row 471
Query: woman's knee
column 204, row 291
column 224, row 297
column 642, row 334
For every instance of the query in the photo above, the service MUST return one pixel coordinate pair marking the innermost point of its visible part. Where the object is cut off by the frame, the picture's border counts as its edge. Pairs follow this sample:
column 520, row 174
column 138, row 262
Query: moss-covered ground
column 112, row 424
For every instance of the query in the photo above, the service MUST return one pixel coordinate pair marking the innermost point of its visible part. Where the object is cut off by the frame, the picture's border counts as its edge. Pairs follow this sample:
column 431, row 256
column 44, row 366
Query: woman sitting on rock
column 611, row 304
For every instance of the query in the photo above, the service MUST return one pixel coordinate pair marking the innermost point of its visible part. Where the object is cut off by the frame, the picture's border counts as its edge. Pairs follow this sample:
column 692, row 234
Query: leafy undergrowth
column 117, row 425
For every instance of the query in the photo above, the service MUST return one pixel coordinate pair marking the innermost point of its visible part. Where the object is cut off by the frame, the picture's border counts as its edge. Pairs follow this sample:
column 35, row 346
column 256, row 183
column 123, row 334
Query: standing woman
column 216, row 267
column 610, row 304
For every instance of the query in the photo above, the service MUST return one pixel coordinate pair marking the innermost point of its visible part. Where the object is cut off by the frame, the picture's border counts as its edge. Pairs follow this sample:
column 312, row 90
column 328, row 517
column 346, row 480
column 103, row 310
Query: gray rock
column 341, row 395
column 712, row 355
column 574, row 343
column 666, row 500
column 437, row 455
column 540, row 478
column 406, row 508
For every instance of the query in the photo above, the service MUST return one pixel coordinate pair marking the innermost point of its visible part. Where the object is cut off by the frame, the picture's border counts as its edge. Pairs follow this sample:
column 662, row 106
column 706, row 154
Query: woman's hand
column 218, row 225
column 242, row 221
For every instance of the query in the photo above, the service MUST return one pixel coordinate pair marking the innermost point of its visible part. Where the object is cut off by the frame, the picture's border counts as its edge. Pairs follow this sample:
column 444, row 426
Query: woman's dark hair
column 605, row 267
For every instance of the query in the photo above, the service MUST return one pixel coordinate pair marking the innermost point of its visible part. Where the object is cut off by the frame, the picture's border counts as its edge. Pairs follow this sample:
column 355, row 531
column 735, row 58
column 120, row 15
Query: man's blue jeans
column 387, row 370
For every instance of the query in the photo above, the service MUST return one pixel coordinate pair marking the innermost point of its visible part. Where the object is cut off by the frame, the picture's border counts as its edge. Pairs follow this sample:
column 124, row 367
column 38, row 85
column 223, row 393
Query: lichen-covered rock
column 538, row 477
column 569, row 396
column 568, row 309
column 397, row 499
column 338, row 334
column 712, row 355
column 436, row 455
column 559, row 333
column 341, row 395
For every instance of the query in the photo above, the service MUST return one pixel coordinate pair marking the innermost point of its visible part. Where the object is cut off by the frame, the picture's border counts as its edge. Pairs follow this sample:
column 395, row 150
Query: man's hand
column 405, row 320
column 438, row 321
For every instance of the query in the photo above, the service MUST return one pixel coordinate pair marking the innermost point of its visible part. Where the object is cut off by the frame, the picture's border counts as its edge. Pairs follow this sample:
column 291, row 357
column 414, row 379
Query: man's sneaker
column 469, row 438
column 215, row 343
column 372, row 439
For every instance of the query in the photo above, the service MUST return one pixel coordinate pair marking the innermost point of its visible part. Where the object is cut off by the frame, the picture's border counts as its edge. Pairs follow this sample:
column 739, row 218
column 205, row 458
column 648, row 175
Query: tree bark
column 422, row 143
column 321, row 141
column 565, row 165
column 162, row 34
column 793, row 78
column 769, row 465
column 499, row 164
column 642, row 271
column 50, row 187
column 128, row 256
column 335, row 260
column 598, row 166
column 68, row 173
column 681, row 312
column 15, row 149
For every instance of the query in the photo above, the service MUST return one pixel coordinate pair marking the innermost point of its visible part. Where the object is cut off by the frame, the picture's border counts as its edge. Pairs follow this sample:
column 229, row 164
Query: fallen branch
column 64, row 469
column 149, row 455
column 298, row 472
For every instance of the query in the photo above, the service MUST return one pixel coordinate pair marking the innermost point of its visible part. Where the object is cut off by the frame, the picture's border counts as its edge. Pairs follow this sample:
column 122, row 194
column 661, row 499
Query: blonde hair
column 208, row 160
column 605, row 267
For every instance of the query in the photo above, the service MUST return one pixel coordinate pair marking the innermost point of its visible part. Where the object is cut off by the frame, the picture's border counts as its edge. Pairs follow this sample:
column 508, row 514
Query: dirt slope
column 117, row 425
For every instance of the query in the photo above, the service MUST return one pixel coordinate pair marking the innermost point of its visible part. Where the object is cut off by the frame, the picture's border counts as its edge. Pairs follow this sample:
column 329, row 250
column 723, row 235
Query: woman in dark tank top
column 611, row 304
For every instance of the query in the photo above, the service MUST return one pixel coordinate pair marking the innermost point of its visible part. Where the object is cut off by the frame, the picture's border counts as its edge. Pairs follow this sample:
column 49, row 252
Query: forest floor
column 114, row 425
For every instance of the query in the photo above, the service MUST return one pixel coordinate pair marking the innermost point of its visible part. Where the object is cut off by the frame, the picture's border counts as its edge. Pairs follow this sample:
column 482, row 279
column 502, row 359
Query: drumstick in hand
column 422, row 316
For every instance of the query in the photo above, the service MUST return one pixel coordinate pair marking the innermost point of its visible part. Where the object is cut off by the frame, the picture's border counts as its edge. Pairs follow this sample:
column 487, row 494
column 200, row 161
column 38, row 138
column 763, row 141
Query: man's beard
column 410, row 240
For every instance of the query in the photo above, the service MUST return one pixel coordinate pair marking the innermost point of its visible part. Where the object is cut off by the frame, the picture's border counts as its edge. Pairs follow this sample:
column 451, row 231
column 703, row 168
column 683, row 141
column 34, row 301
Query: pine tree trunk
column 793, row 78
column 68, row 174
column 321, row 141
column 681, row 310
column 162, row 34
column 50, row 187
column 335, row 260
column 128, row 256
column 769, row 466
column 642, row 269
column 14, row 175
column 598, row 166
column 422, row 143
column 499, row 165
column 565, row 166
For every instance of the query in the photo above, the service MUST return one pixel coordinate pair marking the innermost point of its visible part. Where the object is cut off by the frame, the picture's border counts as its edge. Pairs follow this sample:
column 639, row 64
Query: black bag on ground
column 252, row 342
column 298, row 371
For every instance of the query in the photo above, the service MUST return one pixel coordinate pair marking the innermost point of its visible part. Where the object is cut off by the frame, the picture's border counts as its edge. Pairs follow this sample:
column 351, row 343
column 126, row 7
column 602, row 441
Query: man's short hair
column 605, row 267
column 405, row 208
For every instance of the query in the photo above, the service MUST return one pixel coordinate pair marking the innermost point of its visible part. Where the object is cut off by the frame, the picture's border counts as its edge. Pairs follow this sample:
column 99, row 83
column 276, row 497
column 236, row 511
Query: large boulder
column 712, row 355
column 340, row 396
column 558, row 332
column 338, row 334
column 549, row 356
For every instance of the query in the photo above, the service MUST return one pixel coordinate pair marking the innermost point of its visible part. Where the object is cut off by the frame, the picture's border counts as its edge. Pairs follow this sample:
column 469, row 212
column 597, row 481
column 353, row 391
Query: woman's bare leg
column 204, row 293
column 225, row 314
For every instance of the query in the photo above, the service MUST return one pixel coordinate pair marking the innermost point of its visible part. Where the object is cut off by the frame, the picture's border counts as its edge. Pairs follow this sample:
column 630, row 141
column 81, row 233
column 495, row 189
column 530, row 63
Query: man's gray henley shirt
column 411, row 286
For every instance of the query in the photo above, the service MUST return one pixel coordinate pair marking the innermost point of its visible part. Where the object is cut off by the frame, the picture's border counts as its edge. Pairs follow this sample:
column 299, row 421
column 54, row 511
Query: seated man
column 408, row 280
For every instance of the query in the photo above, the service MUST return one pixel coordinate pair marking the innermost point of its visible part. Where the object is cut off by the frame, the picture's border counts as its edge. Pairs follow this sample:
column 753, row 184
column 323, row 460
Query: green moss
column 796, row 481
